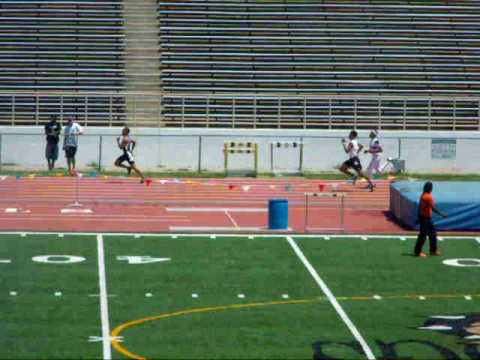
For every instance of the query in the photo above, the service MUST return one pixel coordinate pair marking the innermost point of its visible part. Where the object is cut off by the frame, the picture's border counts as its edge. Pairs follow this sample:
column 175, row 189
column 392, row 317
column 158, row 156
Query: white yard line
column 331, row 298
column 234, row 223
column 102, row 284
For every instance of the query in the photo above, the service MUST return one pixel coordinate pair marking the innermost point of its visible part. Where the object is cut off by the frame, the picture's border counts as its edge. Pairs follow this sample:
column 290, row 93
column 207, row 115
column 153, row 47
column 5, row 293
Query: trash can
column 278, row 214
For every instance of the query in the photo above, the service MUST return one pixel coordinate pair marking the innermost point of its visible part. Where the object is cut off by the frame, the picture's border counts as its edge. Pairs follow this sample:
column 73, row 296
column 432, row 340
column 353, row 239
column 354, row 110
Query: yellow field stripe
column 119, row 329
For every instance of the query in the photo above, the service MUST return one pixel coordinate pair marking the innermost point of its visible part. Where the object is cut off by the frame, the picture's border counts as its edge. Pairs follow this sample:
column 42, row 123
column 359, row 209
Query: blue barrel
column 278, row 214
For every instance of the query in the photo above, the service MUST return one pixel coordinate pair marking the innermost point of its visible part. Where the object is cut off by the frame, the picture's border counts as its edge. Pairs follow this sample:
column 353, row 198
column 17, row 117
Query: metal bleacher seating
column 354, row 53
column 61, row 47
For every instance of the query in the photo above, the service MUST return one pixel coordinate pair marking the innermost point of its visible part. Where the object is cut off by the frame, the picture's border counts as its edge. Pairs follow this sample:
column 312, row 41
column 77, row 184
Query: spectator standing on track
column 353, row 148
column 426, row 208
column 52, row 131
column 70, row 143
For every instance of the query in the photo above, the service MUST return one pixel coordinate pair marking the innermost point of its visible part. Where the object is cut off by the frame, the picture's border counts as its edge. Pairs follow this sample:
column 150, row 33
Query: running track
column 196, row 205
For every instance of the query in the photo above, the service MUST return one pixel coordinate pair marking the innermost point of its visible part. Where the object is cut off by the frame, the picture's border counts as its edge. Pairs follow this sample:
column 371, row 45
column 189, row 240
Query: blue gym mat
column 460, row 200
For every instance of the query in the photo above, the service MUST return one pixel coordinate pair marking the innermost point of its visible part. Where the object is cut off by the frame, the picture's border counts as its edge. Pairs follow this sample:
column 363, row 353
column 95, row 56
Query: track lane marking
column 331, row 298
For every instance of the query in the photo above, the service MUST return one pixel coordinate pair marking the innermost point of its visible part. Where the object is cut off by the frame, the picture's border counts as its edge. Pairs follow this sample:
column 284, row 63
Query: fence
column 243, row 111
column 202, row 150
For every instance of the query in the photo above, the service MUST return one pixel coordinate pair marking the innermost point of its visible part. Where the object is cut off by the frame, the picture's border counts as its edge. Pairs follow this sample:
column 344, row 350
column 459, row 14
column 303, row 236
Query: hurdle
column 295, row 145
column 247, row 148
column 336, row 200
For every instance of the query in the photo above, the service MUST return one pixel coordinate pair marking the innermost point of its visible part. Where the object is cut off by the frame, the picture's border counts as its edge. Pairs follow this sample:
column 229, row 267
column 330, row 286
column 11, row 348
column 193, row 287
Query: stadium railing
column 243, row 111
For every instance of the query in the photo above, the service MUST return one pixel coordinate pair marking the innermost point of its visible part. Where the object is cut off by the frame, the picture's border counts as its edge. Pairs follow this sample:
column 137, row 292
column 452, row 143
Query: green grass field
column 237, row 297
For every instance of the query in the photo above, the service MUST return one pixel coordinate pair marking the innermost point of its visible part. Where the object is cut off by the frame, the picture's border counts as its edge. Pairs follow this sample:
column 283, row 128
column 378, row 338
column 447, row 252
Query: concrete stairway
column 142, row 67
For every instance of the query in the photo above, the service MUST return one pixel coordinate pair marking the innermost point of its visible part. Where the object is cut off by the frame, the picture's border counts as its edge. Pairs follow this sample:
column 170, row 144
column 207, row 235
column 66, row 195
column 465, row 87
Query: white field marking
column 195, row 296
column 377, row 297
column 137, row 236
column 241, row 296
column 213, row 236
column 148, row 295
column 422, row 298
column 234, row 223
column 468, row 297
column 326, row 237
column 364, row 237
column 251, row 237
column 402, row 238
column 11, row 210
column 102, row 284
column 477, row 240
column 13, row 293
column 99, row 338
column 58, row 293
column 23, row 234
column 260, row 235
column 60, row 235
column 331, row 298
column 448, row 317
column 5, row 261
column 98, row 295
column 215, row 209
column 436, row 327
column 285, row 296
column 212, row 228
column 440, row 238
column 76, row 211
column 174, row 236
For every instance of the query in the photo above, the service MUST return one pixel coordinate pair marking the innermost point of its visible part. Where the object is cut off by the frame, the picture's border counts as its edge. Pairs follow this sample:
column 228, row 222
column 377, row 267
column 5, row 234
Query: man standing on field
column 70, row 143
column 52, row 131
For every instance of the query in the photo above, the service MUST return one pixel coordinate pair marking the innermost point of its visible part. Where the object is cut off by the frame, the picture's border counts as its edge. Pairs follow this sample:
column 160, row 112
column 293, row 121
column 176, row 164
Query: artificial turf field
column 236, row 297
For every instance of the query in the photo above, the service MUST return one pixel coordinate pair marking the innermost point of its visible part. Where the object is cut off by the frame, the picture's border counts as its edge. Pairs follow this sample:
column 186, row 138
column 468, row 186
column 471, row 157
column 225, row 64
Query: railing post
column 300, row 156
column 454, row 115
column 200, row 153
column 100, row 146
column 304, row 112
column 13, row 110
column 110, row 111
column 183, row 112
column 399, row 148
column 234, row 105
column 330, row 113
column 160, row 102
column 279, row 112
column 37, row 108
column 429, row 123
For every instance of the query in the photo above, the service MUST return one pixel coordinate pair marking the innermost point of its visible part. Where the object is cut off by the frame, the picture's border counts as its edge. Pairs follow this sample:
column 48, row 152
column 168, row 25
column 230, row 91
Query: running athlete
column 127, row 145
column 353, row 148
column 375, row 149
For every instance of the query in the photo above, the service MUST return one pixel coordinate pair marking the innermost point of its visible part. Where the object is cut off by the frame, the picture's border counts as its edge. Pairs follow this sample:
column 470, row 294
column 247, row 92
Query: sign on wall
column 444, row 148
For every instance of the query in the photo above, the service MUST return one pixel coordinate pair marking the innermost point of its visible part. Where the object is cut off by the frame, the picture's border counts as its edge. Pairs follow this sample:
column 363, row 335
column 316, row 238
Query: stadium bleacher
column 63, row 46
column 356, row 48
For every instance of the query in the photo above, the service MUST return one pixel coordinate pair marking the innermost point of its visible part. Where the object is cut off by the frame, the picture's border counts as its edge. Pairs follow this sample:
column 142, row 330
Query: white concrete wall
column 178, row 149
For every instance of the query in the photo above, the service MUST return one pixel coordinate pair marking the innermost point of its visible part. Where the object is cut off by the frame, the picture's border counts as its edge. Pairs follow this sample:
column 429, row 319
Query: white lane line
column 331, row 298
column 477, row 240
column 215, row 209
column 234, row 223
column 212, row 228
column 102, row 284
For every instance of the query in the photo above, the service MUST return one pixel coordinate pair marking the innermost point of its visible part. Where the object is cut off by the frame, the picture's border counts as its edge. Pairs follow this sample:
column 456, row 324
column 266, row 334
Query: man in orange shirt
column 425, row 210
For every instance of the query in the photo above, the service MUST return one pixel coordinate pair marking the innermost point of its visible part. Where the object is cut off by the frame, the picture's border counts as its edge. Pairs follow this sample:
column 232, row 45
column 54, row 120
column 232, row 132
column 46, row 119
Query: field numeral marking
column 137, row 260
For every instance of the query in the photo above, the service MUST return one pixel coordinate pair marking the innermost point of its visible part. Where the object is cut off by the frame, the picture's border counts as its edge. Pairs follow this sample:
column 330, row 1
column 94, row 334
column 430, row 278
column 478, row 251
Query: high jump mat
column 460, row 200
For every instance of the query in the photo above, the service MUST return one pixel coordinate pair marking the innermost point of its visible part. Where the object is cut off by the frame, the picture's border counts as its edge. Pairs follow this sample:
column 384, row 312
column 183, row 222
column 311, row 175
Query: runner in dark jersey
column 127, row 145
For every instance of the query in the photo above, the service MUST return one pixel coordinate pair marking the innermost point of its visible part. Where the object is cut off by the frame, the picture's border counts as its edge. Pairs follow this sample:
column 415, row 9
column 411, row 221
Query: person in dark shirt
column 426, row 209
column 52, row 131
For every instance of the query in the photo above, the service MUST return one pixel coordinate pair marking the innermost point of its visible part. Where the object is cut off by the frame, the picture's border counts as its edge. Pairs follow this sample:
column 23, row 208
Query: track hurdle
column 248, row 148
column 285, row 145
column 331, row 202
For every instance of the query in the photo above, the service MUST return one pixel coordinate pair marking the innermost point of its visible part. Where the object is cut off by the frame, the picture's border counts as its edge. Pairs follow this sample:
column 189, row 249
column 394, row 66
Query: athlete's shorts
column 353, row 163
column 51, row 152
column 70, row 152
column 127, row 156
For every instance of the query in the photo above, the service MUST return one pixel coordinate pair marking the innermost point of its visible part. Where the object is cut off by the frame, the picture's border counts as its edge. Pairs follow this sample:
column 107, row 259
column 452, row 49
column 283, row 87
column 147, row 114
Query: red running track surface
column 194, row 205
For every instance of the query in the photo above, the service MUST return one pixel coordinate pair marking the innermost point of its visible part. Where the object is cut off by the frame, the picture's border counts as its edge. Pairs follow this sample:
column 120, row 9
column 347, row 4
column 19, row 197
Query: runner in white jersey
column 353, row 149
column 375, row 149
column 127, row 144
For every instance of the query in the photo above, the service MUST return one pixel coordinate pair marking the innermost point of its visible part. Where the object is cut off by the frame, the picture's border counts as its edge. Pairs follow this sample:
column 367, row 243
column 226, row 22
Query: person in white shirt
column 376, row 150
column 70, row 143
column 353, row 149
